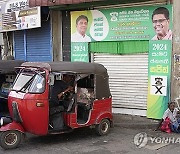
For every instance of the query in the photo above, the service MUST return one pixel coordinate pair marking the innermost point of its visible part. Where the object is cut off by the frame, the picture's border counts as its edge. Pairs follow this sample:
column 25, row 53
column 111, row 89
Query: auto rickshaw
column 89, row 103
column 7, row 76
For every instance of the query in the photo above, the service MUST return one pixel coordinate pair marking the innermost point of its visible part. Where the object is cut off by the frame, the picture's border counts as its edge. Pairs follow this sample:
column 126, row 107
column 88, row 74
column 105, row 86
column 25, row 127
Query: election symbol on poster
column 158, row 85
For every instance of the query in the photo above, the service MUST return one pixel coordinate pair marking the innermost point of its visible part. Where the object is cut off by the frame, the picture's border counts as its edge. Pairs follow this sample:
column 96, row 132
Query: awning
column 33, row 3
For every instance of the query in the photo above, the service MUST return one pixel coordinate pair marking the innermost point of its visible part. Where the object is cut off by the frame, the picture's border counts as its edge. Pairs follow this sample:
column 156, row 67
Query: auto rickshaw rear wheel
column 10, row 139
column 103, row 127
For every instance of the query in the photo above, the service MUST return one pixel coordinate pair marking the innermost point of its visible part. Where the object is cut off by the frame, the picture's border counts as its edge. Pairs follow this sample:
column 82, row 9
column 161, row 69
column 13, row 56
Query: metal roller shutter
column 34, row 44
column 19, row 45
column 128, row 78
column 39, row 43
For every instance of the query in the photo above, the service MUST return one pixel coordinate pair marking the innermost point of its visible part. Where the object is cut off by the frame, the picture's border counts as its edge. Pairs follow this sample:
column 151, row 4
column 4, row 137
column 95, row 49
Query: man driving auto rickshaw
column 58, row 103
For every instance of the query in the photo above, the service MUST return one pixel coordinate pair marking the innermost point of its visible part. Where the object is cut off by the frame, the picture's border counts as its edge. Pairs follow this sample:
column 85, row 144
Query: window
column 30, row 81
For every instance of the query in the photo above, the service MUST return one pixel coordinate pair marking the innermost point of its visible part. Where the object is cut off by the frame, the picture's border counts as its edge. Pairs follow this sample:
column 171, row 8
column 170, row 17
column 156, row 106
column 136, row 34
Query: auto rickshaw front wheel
column 10, row 139
column 103, row 127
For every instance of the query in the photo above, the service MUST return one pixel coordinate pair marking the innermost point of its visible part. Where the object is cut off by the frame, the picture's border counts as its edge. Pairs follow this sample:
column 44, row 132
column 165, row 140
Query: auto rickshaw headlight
column 5, row 120
column 1, row 121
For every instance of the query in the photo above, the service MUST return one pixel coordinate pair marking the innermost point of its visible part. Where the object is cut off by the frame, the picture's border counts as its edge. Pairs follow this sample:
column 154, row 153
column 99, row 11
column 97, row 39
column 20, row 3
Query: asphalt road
column 118, row 141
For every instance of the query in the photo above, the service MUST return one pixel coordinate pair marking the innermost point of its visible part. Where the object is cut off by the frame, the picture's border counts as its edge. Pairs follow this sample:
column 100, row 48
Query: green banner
column 120, row 47
column 159, row 74
column 79, row 51
column 135, row 23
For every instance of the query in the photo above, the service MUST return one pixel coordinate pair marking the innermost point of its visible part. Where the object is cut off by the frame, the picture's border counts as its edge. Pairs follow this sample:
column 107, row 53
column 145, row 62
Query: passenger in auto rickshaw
column 60, row 95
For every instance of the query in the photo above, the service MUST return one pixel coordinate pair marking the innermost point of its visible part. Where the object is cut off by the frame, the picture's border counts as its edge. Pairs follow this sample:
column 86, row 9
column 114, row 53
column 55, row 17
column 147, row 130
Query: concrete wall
column 175, row 83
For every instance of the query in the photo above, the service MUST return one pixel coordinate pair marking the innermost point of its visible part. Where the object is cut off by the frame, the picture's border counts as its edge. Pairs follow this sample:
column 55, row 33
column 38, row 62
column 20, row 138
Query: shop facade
column 133, row 82
column 126, row 59
column 27, row 31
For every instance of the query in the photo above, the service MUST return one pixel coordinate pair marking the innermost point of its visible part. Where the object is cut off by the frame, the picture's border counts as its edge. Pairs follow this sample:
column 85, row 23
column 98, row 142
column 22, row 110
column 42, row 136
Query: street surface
column 118, row 141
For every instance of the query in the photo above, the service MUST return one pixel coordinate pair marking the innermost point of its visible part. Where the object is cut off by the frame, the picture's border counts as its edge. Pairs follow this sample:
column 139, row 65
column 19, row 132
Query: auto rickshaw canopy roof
column 76, row 67
column 101, row 84
column 8, row 66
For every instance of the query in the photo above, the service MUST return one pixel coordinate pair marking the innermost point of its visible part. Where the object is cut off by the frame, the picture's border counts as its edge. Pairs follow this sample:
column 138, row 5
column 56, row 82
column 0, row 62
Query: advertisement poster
column 79, row 52
column 117, row 24
column 159, row 76
column 16, row 15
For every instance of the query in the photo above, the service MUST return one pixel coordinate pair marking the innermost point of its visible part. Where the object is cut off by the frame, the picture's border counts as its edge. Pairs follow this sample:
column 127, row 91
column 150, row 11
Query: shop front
column 124, row 40
column 27, row 30
column 119, row 36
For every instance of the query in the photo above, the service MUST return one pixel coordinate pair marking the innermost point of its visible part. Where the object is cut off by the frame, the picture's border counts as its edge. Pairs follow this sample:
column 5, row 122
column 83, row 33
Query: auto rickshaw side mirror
column 51, row 79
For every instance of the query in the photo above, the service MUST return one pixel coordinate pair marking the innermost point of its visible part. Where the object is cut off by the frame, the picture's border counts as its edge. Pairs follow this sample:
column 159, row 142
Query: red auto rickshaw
column 88, row 104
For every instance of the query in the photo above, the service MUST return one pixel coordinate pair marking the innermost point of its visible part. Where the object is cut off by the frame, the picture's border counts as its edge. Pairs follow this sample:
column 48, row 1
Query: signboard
column 16, row 15
column 159, row 76
column 115, row 24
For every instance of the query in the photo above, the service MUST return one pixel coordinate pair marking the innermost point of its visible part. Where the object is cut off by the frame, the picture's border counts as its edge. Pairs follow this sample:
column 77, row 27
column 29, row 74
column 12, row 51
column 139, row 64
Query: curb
column 134, row 121
column 138, row 126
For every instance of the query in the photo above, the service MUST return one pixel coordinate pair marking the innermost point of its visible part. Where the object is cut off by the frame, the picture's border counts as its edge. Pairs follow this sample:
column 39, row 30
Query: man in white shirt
column 160, row 19
column 81, row 26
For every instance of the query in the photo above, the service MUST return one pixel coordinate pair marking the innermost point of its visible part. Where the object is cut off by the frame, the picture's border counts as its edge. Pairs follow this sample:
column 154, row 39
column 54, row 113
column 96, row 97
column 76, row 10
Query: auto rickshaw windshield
column 29, row 81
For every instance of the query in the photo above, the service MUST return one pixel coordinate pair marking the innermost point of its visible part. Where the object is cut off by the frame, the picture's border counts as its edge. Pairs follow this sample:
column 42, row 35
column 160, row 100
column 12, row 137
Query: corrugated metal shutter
column 36, row 46
column 19, row 45
column 39, row 43
column 128, row 79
